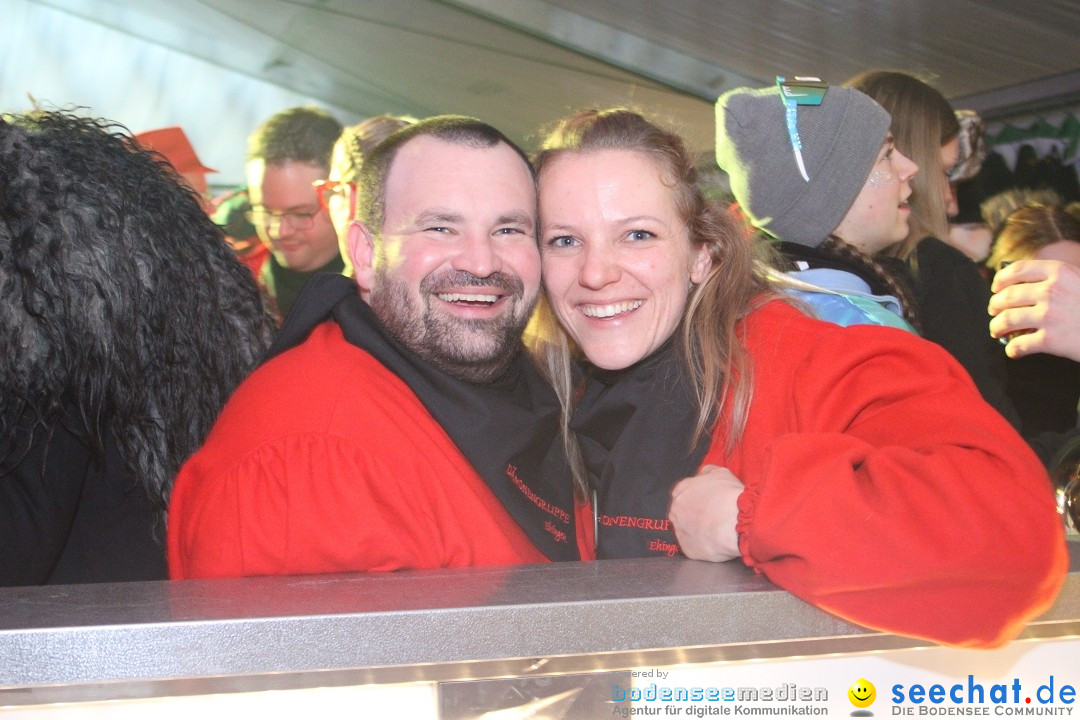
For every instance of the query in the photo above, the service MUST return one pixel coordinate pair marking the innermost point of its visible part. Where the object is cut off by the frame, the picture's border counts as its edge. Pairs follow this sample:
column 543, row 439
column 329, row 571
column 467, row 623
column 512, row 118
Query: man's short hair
column 454, row 129
column 300, row 134
column 357, row 141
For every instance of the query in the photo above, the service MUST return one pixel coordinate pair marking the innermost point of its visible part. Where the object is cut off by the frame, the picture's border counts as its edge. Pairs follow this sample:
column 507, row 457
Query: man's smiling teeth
column 462, row 297
column 606, row 311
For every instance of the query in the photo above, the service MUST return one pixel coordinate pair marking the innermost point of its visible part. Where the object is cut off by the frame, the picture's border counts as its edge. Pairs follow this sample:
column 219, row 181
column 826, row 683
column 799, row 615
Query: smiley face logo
column 862, row 693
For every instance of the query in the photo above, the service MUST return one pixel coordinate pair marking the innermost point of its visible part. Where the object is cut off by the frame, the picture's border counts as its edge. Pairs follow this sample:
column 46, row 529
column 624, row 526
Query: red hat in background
column 173, row 143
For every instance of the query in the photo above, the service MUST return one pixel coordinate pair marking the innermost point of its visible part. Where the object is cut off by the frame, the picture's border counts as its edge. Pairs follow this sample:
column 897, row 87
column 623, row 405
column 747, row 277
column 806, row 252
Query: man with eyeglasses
column 397, row 423
column 286, row 154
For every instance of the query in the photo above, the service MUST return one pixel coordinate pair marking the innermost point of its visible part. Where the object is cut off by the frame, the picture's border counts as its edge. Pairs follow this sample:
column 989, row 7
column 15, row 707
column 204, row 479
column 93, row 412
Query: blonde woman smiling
column 856, row 467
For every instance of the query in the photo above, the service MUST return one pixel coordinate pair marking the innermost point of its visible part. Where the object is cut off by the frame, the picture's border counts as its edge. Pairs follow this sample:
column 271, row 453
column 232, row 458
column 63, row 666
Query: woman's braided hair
column 852, row 255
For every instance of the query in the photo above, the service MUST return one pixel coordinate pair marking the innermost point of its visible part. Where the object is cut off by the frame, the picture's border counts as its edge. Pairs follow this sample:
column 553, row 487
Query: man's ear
column 361, row 254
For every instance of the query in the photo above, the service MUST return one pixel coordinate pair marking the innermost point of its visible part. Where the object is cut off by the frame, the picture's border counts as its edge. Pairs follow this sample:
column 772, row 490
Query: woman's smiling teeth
column 607, row 311
column 467, row 298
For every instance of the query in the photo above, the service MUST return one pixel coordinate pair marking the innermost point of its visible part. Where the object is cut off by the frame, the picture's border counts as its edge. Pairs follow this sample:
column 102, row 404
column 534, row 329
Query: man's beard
column 475, row 350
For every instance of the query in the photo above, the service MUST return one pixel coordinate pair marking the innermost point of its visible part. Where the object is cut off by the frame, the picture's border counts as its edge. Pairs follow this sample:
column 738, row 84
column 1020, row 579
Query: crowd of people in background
column 408, row 343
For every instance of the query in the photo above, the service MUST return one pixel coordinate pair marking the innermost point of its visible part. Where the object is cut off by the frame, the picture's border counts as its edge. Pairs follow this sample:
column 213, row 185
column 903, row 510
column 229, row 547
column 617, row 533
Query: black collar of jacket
column 635, row 428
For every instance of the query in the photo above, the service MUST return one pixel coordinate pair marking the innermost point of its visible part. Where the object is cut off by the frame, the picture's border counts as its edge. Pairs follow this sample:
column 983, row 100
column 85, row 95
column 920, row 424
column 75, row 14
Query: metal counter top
column 146, row 639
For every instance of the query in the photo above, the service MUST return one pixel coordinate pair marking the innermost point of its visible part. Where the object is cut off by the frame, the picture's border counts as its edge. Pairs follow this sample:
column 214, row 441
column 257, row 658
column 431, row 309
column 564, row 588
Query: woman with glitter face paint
column 831, row 207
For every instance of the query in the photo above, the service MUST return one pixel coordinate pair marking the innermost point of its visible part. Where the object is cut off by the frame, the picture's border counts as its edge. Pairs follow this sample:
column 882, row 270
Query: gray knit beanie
column 840, row 137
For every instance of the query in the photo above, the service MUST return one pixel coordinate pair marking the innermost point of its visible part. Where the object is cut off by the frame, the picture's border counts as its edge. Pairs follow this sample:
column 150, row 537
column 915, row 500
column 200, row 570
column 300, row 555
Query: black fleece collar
column 635, row 427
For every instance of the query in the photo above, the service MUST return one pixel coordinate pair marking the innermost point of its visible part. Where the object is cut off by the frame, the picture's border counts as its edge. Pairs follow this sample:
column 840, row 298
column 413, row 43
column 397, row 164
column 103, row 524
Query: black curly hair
column 123, row 313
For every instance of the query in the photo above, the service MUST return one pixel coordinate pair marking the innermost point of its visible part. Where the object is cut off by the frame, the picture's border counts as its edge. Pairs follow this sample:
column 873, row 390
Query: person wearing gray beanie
column 833, row 194
column 841, row 139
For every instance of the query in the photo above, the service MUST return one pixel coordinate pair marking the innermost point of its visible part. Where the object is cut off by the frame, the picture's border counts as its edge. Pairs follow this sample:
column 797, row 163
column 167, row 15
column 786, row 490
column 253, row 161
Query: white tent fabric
column 219, row 67
column 59, row 59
